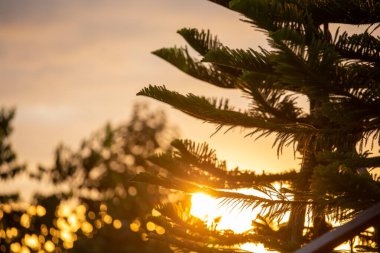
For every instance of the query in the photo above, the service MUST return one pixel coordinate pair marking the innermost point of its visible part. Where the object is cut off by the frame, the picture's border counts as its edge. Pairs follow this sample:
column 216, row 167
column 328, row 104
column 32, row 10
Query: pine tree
column 335, row 134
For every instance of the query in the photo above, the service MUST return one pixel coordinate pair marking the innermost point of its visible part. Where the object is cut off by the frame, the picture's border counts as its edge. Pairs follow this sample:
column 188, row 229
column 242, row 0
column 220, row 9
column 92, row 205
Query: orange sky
column 70, row 66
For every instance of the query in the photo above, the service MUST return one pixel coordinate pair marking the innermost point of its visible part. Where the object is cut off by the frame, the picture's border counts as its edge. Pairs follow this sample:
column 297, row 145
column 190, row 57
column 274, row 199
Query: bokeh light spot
column 25, row 249
column 40, row 210
column 25, row 220
column 117, row 224
column 150, row 226
column 144, row 236
column 86, row 227
column 132, row 191
column 15, row 247
column 135, row 226
column 107, row 219
column 160, row 230
column 49, row 246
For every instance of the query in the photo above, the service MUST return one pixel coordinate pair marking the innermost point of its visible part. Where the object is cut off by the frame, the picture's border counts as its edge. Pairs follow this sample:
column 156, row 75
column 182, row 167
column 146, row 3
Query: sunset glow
column 189, row 126
column 223, row 217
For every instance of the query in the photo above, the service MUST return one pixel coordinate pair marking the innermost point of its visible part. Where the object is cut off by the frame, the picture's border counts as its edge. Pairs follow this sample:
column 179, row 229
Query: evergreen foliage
column 337, row 134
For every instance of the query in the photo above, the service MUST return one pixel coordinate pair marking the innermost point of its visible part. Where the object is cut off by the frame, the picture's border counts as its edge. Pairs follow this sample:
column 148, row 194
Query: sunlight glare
column 202, row 206
column 208, row 208
column 251, row 247
column 220, row 217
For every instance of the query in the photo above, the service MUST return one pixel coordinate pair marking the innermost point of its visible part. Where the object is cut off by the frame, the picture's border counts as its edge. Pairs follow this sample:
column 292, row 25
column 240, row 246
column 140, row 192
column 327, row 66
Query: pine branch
column 245, row 60
column 307, row 69
column 199, row 164
column 343, row 12
column 172, row 183
column 362, row 46
column 343, row 191
column 185, row 229
column 350, row 160
column 180, row 58
column 272, row 103
column 258, row 62
column 358, row 76
column 183, row 170
column 286, row 134
column 205, row 109
column 202, row 162
column 201, row 41
column 224, row 3
column 201, row 158
column 271, row 15
column 245, row 179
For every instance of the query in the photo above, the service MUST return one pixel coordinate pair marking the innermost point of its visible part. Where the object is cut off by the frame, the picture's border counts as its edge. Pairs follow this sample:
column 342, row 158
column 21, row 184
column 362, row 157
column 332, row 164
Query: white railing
column 328, row 241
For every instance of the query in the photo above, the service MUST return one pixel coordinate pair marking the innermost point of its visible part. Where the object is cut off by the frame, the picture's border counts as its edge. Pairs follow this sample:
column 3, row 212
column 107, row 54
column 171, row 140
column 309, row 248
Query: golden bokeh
column 63, row 211
column 103, row 208
column 25, row 249
column 117, row 224
column 160, row 230
column 107, row 219
column 49, row 246
column 132, row 191
column 135, row 226
column 144, row 237
column 25, row 220
column 86, row 227
column 150, row 226
column 32, row 241
column 91, row 215
column 15, row 247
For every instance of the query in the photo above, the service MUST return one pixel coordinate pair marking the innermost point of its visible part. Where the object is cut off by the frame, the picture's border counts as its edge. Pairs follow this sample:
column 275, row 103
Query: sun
column 222, row 217
column 209, row 209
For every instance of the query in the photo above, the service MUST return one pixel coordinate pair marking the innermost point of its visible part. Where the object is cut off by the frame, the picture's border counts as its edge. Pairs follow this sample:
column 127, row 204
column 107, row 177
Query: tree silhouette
column 9, row 166
column 335, row 133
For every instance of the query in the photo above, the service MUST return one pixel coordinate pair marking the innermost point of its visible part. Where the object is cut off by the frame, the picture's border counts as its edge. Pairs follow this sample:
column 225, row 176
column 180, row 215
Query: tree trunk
column 298, row 213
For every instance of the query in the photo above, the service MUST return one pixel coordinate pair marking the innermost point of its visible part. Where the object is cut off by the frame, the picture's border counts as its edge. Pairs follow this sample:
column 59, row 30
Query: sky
column 70, row 66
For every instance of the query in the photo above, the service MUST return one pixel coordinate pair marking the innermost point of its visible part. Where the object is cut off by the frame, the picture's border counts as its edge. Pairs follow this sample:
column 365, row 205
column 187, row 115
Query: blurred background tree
column 94, row 206
column 9, row 167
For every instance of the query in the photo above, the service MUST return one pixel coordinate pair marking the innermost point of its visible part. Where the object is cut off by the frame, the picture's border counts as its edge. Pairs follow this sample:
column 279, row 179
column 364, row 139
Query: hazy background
column 70, row 66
